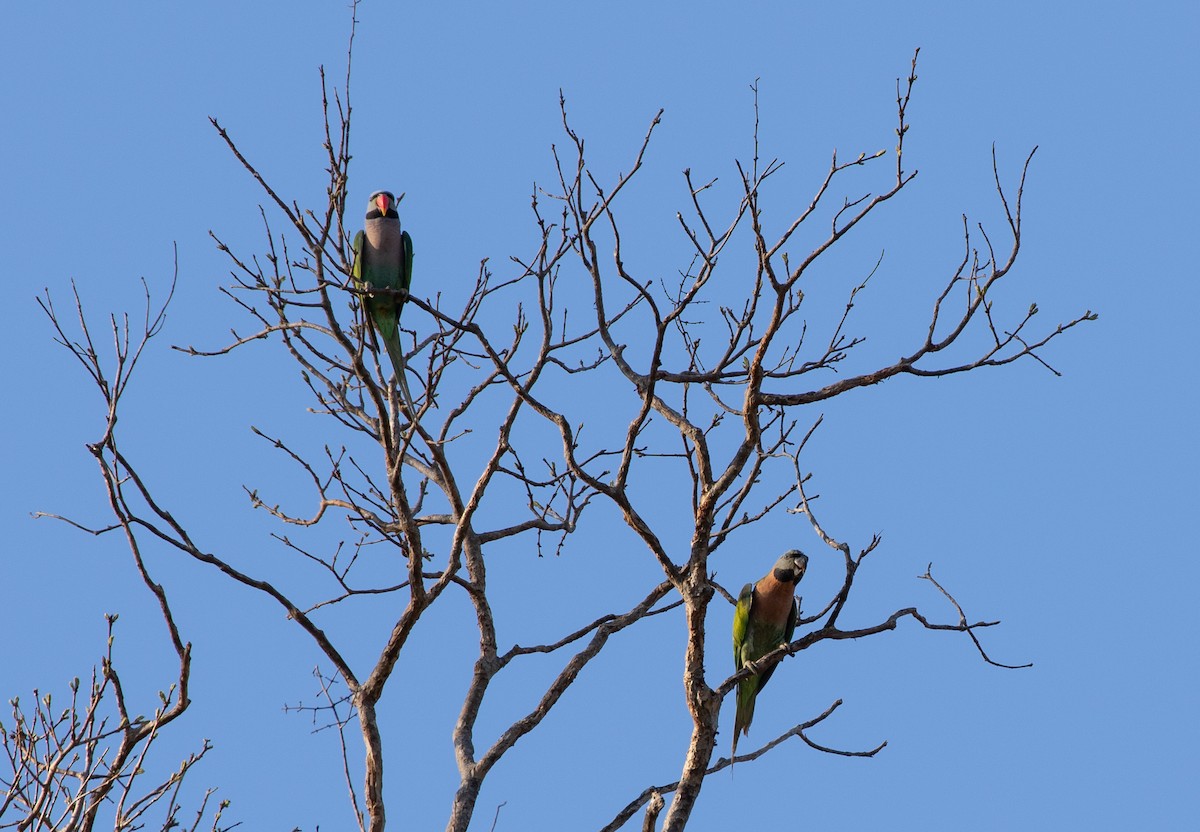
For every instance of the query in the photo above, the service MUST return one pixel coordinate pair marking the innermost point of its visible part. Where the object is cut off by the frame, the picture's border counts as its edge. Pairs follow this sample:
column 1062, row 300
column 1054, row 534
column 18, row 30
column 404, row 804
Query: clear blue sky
column 1057, row 504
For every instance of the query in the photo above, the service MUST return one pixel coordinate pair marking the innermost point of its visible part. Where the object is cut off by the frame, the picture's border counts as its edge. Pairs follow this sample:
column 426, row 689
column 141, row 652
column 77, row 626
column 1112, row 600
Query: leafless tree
column 71, row 765
column 713, row 412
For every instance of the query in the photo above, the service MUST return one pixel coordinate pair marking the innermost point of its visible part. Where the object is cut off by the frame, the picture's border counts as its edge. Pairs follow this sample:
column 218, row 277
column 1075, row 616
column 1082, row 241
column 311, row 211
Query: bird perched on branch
column 765, row 617
column 383, row 256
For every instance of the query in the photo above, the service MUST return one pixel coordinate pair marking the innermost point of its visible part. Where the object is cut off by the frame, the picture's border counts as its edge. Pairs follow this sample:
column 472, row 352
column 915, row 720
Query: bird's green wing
column 789, row 629
column 747, row 688
column 741, row 623
column 357, row 267
column 406, row 258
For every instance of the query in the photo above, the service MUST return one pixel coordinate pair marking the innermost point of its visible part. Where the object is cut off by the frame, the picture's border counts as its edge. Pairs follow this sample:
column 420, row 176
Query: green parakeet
column 765, row 617
column 383, row 256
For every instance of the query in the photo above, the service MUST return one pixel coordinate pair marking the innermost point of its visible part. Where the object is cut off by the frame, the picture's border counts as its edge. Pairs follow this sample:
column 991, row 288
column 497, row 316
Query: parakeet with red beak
column 383, row 256
column 765, row 617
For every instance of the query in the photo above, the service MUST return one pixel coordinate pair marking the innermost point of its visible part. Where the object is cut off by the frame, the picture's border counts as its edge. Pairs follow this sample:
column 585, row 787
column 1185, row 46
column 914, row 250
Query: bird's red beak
column 382, row 202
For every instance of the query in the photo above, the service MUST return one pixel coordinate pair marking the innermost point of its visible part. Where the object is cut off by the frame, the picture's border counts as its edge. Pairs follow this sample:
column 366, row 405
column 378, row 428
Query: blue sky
column 1056, row 504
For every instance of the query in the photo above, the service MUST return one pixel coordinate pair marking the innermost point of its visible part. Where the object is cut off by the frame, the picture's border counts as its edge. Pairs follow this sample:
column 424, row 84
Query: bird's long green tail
column 746, row 693
column 396, row 353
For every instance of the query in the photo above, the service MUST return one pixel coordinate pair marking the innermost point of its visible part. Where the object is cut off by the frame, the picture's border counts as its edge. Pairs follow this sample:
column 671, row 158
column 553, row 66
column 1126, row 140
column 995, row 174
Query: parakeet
column 765, row 617
column 383, row 256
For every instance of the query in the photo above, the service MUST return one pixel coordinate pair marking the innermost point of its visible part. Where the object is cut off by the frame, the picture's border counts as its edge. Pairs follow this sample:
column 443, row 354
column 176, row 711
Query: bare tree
column 710, row 411
column 70, row 768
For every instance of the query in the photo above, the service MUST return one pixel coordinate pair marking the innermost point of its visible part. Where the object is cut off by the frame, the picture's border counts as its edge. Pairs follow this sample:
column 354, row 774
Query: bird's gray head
column 790, row 566
column 382, row 204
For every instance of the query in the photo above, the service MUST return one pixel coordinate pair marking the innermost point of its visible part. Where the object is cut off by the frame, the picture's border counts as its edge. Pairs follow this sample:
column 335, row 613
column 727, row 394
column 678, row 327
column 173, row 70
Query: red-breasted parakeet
column 383, row 256
column 765, row 617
